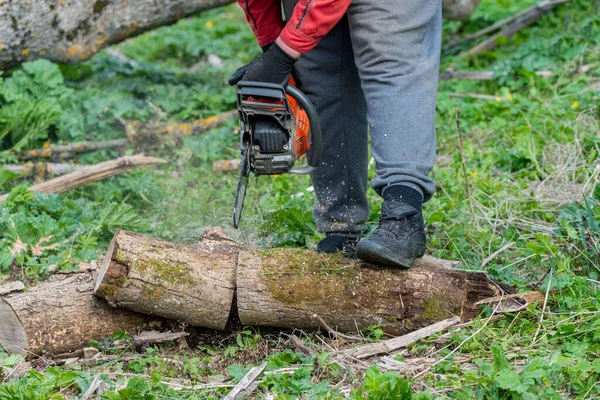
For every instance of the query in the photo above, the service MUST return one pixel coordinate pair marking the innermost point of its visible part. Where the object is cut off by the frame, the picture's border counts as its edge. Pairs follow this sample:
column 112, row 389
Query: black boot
column 399, row 239
column 335, row 242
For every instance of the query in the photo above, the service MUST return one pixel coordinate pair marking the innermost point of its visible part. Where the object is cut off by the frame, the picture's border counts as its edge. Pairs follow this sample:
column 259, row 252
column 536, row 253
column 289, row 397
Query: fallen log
column 92, row 174
column 282, row 287
column 73, row 31
column 61, row 317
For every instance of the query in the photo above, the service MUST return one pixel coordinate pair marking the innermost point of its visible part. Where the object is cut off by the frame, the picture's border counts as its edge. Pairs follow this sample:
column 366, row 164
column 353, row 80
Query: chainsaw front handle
column 316, row 136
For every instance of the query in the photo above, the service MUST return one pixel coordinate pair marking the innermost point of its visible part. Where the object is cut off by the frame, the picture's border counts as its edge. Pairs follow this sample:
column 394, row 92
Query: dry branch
column 247, row 384
column 71, row 148
column 92, row 174
column 153, row 337
column 41, row 171
column 496, row 25
column 480, row 75
column 388, row 346
column 479, row 96
column 526, row 19
column 144, row 136
column 226, row 165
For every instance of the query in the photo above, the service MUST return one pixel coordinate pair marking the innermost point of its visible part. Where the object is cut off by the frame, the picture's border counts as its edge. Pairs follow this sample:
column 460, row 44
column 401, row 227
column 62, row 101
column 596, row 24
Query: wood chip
column 512, row 302
column 247, row 384
column 10, row 287
column 151, row 337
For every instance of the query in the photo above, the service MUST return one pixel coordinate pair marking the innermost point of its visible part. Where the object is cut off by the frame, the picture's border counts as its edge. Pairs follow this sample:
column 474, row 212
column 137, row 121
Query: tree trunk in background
column 62, row 316
column 74, row 30
column 292, row 288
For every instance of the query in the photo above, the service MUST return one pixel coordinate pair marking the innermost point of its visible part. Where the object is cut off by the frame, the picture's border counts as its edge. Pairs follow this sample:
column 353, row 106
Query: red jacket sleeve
column 264, row 16
column 311, row 20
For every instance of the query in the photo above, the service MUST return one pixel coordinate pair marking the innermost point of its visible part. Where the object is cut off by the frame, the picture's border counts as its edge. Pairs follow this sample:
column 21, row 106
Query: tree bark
column 74, row 30
column 282, row 287
column 62, row 316
column 194, row 284
column 289, row 287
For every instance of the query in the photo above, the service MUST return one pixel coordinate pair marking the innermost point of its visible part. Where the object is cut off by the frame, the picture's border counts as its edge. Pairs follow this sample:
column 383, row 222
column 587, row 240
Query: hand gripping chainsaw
column 277, row 125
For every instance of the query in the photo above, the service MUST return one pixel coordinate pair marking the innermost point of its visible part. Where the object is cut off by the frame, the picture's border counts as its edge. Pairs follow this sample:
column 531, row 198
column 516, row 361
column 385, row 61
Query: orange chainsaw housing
column 301, row 141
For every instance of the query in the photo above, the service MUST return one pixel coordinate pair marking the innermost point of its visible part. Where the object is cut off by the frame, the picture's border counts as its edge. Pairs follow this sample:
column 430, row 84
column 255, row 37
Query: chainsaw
column 277, row 126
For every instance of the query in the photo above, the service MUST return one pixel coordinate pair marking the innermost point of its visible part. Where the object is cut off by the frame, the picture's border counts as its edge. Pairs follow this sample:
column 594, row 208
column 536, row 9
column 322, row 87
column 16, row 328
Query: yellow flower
column 498, row 98
column 575, row 104
column 474, row 174
column 209, row 24
column 509, row 96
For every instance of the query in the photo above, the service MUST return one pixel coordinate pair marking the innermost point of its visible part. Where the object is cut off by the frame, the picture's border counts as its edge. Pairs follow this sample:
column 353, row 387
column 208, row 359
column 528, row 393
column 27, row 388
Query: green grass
column 525, row 183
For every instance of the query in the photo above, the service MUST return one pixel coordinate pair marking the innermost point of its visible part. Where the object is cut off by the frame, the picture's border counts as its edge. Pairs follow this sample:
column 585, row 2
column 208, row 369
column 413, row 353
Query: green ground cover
column 524, row 181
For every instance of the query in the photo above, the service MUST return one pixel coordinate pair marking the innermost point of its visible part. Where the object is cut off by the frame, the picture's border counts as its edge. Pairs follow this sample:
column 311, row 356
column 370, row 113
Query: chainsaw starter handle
column 316, row 140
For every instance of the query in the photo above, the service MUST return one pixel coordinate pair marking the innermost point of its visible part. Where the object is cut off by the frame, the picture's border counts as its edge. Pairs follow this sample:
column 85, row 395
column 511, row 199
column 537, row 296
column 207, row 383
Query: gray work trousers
column 376, row 72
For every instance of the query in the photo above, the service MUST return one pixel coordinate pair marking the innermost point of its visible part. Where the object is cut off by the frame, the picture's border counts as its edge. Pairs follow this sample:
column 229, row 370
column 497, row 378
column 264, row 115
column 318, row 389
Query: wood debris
column 247, row 384
column 391, row 345
column 93, row 173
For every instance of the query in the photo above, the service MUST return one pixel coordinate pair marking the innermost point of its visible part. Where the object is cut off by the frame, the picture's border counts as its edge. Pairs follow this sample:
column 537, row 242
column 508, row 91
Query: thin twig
column 495, row 254
column 462, row 160
column 334, row 332
column 543, row 308
column 460, row 345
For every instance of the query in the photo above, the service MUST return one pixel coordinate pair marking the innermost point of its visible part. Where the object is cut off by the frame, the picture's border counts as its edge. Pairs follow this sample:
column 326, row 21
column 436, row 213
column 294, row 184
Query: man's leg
column 328, row 75
column 397, row 52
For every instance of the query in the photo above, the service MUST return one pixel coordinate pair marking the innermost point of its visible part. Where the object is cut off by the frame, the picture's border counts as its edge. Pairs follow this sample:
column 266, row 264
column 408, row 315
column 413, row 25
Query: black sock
column 404, row 194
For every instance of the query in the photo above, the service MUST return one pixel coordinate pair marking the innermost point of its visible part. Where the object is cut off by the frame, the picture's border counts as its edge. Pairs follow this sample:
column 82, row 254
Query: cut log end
column 12, row 334
column 193, row 284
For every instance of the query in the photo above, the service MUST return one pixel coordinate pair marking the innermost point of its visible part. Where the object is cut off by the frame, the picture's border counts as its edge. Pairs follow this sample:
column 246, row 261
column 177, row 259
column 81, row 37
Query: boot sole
column 374, row 253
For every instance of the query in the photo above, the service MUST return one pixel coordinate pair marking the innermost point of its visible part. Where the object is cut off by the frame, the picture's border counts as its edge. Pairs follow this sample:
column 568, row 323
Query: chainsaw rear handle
column 316, row 136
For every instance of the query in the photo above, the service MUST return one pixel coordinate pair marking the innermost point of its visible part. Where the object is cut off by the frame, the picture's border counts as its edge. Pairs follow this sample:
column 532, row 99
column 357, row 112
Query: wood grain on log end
column 12, row 335
column 62, row 316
